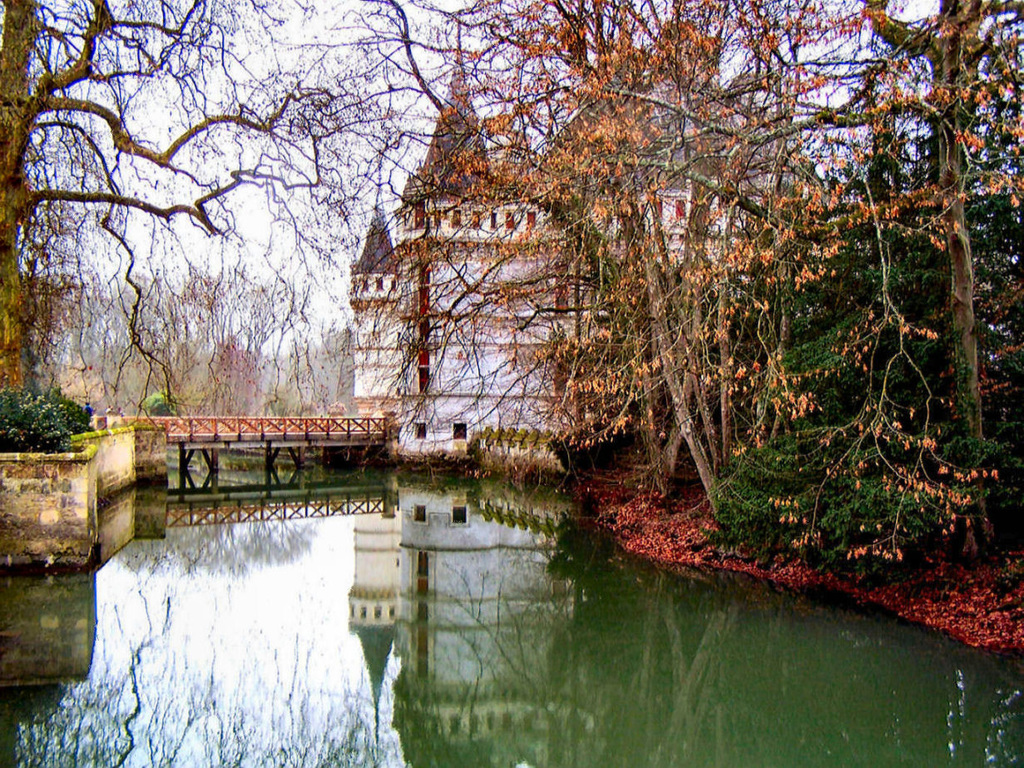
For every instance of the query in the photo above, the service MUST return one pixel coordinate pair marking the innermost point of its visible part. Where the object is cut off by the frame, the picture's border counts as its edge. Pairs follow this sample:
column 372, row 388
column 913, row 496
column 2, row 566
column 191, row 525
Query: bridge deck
column 222, row 431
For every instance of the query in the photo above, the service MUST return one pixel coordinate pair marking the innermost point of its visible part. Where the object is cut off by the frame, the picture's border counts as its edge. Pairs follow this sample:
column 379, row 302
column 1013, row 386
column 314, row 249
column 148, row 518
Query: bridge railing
column 274, row 428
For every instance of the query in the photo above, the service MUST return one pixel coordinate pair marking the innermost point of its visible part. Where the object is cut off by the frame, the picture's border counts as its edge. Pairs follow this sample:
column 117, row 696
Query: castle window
column 680, row 209
column 424, row 378
column 476, row 220
column 377, row 611
column 419, row 513
column 380, row 283
column 421, row 430
column 419, row 216
column 494, row 219
column 459, row 516
column 424, row 290
column 531, row 219
column 459, row 431
column 510, row 221
column 456, row 219
column 422, row 564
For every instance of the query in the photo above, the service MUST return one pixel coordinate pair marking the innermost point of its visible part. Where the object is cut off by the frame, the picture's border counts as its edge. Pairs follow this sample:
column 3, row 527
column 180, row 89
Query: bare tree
column 113, row 112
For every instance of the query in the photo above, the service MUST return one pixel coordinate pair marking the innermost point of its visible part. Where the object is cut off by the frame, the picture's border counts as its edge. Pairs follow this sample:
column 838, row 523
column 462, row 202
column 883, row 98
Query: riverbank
column 980, row 604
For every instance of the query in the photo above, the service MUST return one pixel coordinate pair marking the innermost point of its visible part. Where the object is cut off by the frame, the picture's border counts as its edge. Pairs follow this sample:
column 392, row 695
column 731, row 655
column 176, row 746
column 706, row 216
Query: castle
column 449, row 317
column 455, row 318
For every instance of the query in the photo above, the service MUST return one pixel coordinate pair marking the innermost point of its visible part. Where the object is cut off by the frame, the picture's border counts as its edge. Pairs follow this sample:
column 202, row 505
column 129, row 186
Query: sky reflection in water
column 421, row 639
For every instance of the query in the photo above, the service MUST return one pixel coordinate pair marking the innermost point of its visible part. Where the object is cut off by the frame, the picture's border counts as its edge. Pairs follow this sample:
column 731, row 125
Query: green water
column 458, row 624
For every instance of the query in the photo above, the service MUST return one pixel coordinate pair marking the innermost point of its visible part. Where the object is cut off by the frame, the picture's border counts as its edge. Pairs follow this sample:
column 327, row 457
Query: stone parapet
column 48, row 501
column 48, row 508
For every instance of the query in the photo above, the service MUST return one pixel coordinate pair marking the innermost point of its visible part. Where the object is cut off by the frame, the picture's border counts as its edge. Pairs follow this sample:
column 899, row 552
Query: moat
column 360, row 618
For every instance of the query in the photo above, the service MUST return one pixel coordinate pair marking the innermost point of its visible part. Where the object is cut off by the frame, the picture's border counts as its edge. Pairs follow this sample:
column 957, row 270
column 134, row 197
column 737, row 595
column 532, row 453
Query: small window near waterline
column 459, row 516
column 419, row 513
column 459, row 431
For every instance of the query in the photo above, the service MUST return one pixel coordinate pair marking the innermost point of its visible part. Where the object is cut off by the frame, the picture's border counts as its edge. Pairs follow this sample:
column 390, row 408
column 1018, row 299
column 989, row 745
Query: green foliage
column 869, row 464
column 997, row 229
column 160, row 404
column 844, row 506
column 37, row 423
column 74, row 413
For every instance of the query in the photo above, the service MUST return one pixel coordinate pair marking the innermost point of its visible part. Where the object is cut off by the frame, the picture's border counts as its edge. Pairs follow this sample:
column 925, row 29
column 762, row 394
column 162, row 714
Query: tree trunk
column 949, row 74
column 16, row 117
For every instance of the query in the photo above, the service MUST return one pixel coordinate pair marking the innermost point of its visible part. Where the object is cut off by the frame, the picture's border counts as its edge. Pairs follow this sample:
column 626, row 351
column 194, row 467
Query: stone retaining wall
column 150, row 453
column 48, row 501
column 115, row 458
column 48, row 508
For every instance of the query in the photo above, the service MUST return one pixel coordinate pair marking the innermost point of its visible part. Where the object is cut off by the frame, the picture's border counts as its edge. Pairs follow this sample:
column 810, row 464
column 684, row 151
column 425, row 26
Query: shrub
column 78, row 420
column 38, row 423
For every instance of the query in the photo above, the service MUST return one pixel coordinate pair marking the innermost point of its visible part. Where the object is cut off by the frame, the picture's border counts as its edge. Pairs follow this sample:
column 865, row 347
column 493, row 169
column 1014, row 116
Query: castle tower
column 377, row 358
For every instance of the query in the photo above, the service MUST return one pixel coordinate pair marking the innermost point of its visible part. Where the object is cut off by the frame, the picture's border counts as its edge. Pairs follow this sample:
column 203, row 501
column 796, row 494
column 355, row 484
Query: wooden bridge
column 210, row 434
column 255, row 502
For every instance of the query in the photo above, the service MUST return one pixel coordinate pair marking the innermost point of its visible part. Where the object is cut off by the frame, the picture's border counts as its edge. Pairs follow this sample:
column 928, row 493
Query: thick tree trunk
column 949, row 74
column 676, row 378
column 11, row 331
column 16, row 116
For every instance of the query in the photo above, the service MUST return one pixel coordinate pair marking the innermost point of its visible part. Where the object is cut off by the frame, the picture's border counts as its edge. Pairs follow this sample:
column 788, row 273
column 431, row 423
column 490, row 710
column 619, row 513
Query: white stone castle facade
column 450, row 320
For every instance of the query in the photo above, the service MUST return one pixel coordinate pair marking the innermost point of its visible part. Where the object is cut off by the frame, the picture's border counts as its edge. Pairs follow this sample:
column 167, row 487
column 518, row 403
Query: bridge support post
column 184, row 472
column 270, row 458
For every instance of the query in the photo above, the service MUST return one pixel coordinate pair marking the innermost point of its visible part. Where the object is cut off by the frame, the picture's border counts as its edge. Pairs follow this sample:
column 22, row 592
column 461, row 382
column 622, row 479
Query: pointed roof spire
column 457, row 146
column 378, row 252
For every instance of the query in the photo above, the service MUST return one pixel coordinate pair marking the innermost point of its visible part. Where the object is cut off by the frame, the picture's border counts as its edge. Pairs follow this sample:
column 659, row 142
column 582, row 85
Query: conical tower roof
column 456, row 154
column 378, row 252
column 376, row 642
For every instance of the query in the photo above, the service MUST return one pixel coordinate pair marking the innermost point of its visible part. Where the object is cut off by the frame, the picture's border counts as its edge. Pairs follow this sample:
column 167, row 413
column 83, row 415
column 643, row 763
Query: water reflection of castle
column 456, row 585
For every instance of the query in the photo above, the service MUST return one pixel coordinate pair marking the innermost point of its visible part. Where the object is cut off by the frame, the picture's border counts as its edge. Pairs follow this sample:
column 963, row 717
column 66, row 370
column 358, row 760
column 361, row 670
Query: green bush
column 38, row 423
column 78, row 420
column 160, row 404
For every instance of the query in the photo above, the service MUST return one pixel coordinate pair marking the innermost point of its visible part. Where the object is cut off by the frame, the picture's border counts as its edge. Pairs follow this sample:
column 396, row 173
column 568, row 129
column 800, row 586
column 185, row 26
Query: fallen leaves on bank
column 980, row 604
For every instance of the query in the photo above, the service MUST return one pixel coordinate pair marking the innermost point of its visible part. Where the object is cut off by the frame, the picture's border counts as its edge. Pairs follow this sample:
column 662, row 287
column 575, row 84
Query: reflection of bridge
column 252, row 503
column 210, row 434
